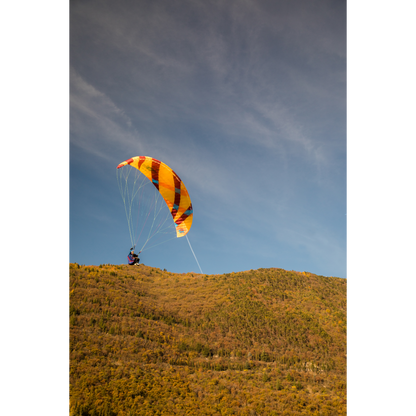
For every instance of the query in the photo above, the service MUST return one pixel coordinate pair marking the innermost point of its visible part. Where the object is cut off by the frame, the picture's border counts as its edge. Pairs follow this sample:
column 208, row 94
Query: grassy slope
column 150, row 342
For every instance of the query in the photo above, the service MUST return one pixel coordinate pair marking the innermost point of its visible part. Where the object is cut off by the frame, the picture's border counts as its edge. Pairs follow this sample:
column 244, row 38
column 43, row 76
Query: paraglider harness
column 133, row 259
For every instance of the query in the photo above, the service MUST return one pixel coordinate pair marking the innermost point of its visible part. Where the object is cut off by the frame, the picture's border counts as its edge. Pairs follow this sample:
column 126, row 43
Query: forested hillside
column 260, row 342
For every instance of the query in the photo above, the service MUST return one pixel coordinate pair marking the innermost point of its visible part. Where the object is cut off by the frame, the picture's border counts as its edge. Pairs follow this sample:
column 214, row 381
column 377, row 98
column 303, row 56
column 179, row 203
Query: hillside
column 262, row 342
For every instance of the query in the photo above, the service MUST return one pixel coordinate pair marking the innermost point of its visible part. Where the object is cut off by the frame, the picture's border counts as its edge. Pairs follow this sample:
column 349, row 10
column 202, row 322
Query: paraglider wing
column 170, row 186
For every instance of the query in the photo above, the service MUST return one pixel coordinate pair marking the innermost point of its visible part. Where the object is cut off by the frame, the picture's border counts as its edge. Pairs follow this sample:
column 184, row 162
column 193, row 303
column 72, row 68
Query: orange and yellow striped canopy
column 170, row 186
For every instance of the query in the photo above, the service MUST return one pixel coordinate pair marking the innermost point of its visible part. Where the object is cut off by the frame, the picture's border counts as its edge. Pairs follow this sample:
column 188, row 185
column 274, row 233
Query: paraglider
column 132, row 258
column 165, row 210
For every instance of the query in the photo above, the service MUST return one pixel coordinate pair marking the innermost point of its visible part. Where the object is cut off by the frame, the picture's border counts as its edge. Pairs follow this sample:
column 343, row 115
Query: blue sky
column 245, row 100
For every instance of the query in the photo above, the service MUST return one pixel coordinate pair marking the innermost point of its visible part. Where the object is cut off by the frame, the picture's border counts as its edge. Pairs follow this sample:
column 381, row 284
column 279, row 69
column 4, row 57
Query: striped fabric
column 170, row 186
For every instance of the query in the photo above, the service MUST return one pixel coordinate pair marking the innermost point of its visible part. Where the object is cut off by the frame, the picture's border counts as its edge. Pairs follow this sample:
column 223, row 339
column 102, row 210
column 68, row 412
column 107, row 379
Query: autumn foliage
column 260, row 342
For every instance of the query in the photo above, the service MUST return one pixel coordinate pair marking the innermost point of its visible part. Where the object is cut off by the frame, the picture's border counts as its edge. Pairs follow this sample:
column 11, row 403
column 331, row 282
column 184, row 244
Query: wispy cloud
column 227, row 76
column 222, row 79
column 97, row 124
